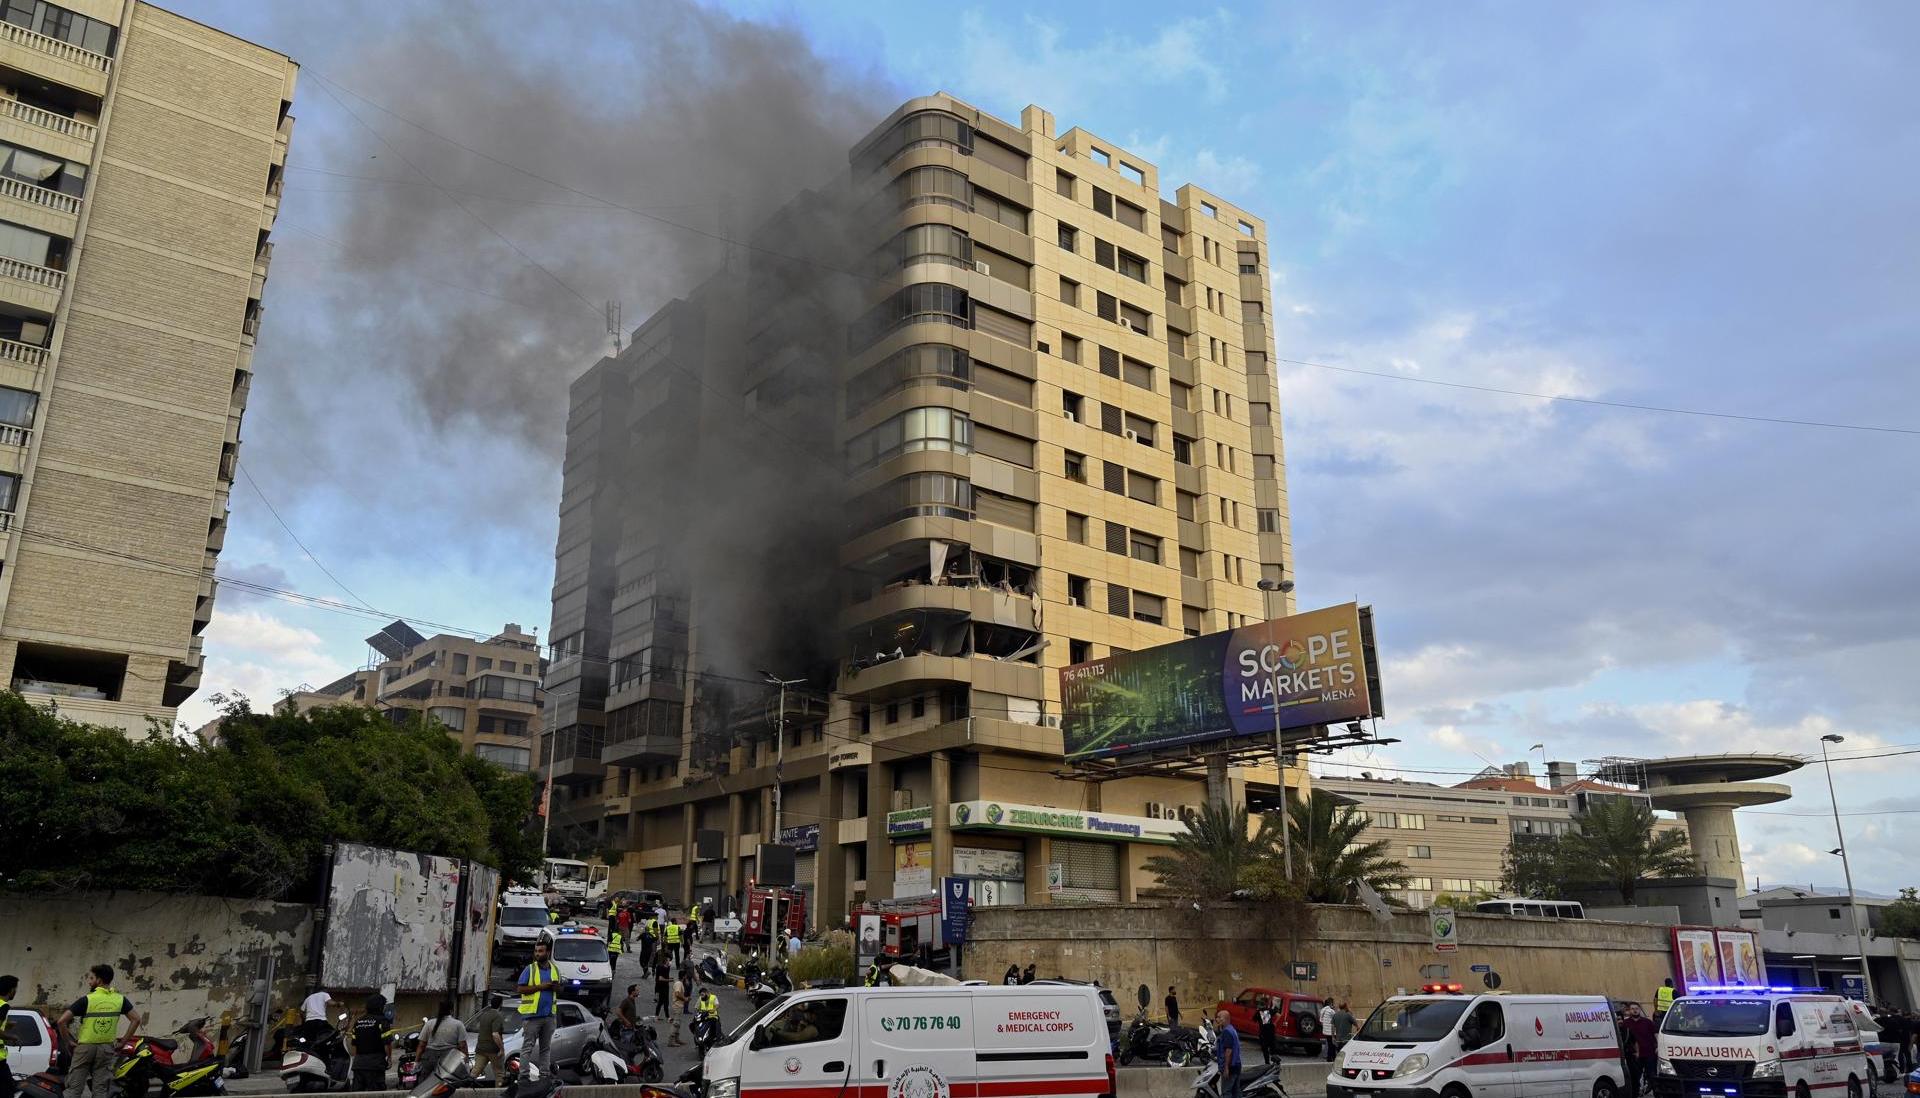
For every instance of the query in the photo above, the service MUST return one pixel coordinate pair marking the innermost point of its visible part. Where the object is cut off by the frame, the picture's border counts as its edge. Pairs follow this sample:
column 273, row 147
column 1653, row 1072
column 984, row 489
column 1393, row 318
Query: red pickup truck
column 1296, row 1022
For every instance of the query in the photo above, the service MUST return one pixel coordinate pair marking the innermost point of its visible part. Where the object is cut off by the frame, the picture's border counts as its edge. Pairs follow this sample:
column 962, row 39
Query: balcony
column 12, row 437
column 651, row 749
column 46, row 56
column 49, row 121
column 911, row 674
column 981, row 603
column 35, row 287
column 24, row 354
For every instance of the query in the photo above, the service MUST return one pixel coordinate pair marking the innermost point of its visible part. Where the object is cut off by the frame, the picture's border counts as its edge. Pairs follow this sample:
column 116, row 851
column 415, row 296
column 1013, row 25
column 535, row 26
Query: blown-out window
column 939, row 495
column 912, row 430
column 920, row 364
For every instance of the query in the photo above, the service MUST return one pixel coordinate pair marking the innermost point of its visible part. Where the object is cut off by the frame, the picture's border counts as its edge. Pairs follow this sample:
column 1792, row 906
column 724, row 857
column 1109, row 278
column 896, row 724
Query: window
column 512, row 758
column 1076, row 528
column 1248, row 268
column 1144, row 488
column 17, row 407
column 1144, row 547
column 926, row 128
column 1103, row 253
column 1063, row 183
column 1413, row 821
column 1077, row 591
column 1245, row 228
column 1482, row 820
column 452, row 717
column 1190, row 562
column 506, row 689
column 1182, row 395
column 1102, row 202
column 921, row 364
column 805, row 1023
column 1176, row 289
column 1116, row 541
column 1136, row 318
column 41, row 170
column 1193, row 620
column 1177, row 342
column 1259, row 413
column 1451, row 819
column 932, row 243
column 1073, row 406
column 1107, row 307
column 923, row 301
column 992, row 206
column 1069, row 236
column 1002, row 325
column 1170, row 239
column 1079, row 651
column 1130, row 215
column 1209, row 209
column 1151, row 609
column 1075, row 467
column 1113, row 478
column 1419, row 852
column 1007, row 511
column 1119, row 600
column 893, row 712
column 1137, row 373
column 28, row 246
column 1263, row 467
column 1183, row 450
column 911, row 431
column 934, row 186
column 1069, row 347
column 1383, row 819
column 1269, row 520
column 1069, row 291
column 1110, row 364
column 1133, row 266
column 1142, row 428
column 919, row 710
column 917, row 495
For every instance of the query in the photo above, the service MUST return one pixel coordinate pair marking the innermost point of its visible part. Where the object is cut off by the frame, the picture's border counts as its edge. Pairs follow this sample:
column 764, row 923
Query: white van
column 919, row 1042
column 523, row 918
column 1761, row 1040
column 1442, row 1042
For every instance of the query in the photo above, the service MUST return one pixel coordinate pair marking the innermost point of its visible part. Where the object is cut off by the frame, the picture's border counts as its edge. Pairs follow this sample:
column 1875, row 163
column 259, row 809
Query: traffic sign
column 1483, row 968
column 1446, row 931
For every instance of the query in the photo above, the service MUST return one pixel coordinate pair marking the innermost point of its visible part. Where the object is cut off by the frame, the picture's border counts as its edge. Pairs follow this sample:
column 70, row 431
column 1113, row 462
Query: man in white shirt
column 793, row 946
column 1326, row 1026
column 314, row 1007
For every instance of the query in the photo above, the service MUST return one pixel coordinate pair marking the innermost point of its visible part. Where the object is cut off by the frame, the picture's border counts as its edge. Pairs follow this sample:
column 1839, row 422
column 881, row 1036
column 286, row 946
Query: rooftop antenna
column 613, row 325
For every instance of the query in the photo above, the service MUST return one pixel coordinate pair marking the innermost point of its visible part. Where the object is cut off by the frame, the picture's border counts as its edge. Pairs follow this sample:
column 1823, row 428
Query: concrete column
column 1219, row 788
column 1093, row 795
column 942, row 767
column 1716, row 845
column 879, row 849
column 689, row 821
column 1039, row 853
column 829, row 862
column 735, row 814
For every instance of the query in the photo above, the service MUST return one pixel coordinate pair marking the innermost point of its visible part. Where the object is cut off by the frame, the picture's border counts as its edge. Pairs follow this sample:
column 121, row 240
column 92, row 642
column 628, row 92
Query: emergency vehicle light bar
column 592, row 930
column 1442, row 989
column 1733, row 989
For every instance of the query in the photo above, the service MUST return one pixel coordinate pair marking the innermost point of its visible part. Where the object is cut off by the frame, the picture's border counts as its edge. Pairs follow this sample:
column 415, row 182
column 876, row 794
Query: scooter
column 713, row 970
column 1267, row 1084
column 1198, row 1045
column 763, row 991
column 409, row 1065
column 1156, row 1043
column 134, row 1059
column 146, row 1060
column 692, row 1084
column 316, row 1058
column 706, row 1034
column 608, row 1059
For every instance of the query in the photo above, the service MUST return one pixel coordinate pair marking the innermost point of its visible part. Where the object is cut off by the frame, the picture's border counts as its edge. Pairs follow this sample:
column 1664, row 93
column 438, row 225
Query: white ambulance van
column 1761, row 1041
column 918, row 1042
column 1446, row 1043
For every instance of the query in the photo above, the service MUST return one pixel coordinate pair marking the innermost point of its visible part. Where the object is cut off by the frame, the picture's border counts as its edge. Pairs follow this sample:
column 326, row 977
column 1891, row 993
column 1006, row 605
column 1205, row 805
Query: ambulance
column 1443, row 1042
column 960, row 1041
column 1740, row 1042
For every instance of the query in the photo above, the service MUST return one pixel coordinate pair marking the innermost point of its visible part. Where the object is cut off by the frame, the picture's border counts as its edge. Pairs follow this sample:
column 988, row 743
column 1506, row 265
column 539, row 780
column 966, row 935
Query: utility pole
column 779, row 757
column 1853, row 905
column 1268, row 587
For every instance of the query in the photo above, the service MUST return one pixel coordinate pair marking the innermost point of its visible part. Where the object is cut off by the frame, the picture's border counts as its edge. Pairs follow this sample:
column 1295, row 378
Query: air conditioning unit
column 1051, row 720
column 1132, row 435
column 1071, row 418
column 1071, row 601
column 1155, row 810
column 902, row 799
column 1189, row 813
column 981, row 266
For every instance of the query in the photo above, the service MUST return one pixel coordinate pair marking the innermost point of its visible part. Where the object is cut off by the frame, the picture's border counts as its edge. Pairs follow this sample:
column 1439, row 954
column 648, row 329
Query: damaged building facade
column 986, row 407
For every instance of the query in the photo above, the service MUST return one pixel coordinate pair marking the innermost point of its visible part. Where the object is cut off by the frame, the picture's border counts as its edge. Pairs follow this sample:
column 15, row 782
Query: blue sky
column 1631, row 203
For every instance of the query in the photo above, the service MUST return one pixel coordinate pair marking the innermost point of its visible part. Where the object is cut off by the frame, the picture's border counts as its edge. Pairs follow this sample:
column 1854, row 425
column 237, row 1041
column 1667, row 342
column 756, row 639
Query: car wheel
column 1604, row 1087
column 1801, row 1090
column 1456, row 1090
column 652, row 1073
column 1854, row 1090
column 1126, row 1057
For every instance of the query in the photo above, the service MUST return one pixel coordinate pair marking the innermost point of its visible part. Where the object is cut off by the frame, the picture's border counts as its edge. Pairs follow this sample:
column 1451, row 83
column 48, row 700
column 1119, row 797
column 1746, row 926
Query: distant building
column 486, row 693
column 1808, row 937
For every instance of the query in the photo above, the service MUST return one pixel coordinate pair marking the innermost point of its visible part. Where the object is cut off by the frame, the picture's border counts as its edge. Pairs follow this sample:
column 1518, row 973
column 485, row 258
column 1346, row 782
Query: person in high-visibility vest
column 98, row 1012
column 673, row 940
column 613, row 948
column 537, row 984
column 693, row 922
column 708, row 1011
column 8, row 985
column 1663, row 999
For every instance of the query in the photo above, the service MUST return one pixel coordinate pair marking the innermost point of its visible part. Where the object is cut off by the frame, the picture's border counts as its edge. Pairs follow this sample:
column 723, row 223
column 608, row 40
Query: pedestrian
column 625, row 922
column 1326, row 1026
column 615, row 945
column 1173, row 1008
column 371, row 1046
column 674, row 941
column 680, row 1001
column 488, row 1031
column 794, row 946
column 1263, row 1016
column 96, row 1012
column 1342, row 1026
column 628, row 1012
column 1013, row 975
column 538, row 983
column 687, row 985
column 1228, row 1051
column 1896, row 1029
column 439, row 1037
column 8, row 986
column 313, row 1008
column 1642, row 1053
column 662, row 988
column 1662, row 1000
column 1026, row 975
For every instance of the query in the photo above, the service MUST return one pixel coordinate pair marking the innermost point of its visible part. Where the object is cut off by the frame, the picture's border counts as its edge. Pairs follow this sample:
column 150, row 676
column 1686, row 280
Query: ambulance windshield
column 1400, row 1020
column 1717, row 1018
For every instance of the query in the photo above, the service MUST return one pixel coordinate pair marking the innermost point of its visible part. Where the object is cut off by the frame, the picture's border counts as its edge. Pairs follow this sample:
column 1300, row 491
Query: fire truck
column 759, row 915
column 909, row 932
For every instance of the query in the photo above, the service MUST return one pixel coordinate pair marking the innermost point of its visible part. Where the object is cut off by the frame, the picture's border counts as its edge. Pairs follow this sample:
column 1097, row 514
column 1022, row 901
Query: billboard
column 1311, row 669
column 391, row 918
column 1740, row 955
column 1696, row 959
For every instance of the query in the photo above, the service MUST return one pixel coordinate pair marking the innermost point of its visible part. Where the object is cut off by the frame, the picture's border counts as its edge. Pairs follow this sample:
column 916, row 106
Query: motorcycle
column 692, row 1084
column 609, row 1059
column 135, row 1057
column 316, row 1058
column 234, row 1064
column 1156, row 1043
column 409, row 1064
column 145, row 1060
column 763, row 990
column 706, row 1034
column 713, row 970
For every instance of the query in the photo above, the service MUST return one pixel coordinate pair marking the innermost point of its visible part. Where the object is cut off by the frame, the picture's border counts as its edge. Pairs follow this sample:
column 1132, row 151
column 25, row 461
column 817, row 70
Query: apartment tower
column 140, row 171
column 1053, row 435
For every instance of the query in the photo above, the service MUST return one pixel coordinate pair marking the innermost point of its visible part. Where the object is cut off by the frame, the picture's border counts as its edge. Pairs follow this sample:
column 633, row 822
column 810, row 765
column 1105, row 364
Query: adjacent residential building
column 141, row 156
column 486, row 693
column 1050, row 428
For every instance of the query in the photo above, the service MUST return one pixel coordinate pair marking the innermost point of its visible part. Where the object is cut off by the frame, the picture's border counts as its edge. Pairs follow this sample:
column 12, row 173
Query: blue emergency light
column 1749, row 989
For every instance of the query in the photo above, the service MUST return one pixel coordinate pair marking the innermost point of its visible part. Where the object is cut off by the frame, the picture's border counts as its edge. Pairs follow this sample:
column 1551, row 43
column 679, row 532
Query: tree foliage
column 1534, row 866
column 1336, row 861
column 1208, row 859
column 90, row 808
column 1615, row 848
column 1223, row 855
column 1901, row 918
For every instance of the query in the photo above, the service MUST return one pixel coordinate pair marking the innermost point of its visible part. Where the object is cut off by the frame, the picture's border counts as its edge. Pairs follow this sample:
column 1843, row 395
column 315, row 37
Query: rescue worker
column 673, row 941
column 708, row 1014
column 8, row 985
column 538, row 982
column 646, row 944
column 614, row 946
column 371, row 1045
column 1663, row 1000
column 693, row 921
column 93, row 1055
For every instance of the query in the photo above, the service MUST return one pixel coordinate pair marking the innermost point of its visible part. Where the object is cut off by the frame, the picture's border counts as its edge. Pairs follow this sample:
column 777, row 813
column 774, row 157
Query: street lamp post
column 779, row 757
column 1846, row 867
column 1268, row 587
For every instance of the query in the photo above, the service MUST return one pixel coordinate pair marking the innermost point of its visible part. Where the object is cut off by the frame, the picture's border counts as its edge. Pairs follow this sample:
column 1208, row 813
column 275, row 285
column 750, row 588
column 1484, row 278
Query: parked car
column 1296, row 1022
column 1109, row 1006
column 30, row 1043
column 573, row 1026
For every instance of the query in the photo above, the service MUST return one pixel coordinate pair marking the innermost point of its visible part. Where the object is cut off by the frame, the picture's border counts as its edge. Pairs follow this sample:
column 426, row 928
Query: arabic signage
column 802, row 838
column 1303, row 671
column 1446, row 930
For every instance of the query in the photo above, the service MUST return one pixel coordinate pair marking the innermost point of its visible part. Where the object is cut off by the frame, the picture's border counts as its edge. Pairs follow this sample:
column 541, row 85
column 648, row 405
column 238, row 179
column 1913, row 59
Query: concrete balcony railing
column 47, row 120
column 16, row 437
column 39, row 196
column 6, row 521
column 25, row 354
column 47, row 44
column 27, row 272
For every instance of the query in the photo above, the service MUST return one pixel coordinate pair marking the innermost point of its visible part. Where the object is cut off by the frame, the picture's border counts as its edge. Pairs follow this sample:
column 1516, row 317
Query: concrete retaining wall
column 1210, row 954
column 178, row 956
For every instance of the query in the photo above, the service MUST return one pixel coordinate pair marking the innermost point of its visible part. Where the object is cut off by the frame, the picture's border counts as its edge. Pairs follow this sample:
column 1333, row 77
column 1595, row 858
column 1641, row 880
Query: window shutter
column 1119, row 600
column 1109, row 362
column 1114, row 478
column 1108, row 307
column 1103, row 253
column 1102, row 202
column 1116, row 538
column 1111, row 418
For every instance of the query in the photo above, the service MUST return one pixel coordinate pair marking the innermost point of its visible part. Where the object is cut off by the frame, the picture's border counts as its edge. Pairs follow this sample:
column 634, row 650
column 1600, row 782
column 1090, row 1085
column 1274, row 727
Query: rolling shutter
column 665, row 881
column 1092, row 870
column 1002, row 325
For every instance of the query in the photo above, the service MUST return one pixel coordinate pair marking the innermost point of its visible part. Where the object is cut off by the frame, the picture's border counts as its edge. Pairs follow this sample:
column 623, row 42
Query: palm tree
column 1207, row 860
column 1329, row 858
column 1616, row 846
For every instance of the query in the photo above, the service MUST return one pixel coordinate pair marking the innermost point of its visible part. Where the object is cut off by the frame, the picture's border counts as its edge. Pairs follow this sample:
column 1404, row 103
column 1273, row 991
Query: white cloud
column 256, row 654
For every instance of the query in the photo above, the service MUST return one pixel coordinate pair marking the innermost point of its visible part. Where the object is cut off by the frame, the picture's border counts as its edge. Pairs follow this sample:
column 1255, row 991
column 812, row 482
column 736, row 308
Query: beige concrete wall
column 1223, row 949
column 179, row 957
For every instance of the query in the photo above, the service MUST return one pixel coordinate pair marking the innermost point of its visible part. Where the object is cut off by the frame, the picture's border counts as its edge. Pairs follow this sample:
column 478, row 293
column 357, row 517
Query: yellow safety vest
column 1663, row 998
column 673, row 934
column 613, row 944
column 102, row 1017
column 3, row 1025
column 709, row 1005
column 530, row 1003
column 694, row 915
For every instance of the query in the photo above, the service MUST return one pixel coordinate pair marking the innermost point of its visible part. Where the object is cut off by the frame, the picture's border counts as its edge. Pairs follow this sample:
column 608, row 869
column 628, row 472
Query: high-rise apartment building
column 485, row 693
column 140, row 171
column 1047, row 416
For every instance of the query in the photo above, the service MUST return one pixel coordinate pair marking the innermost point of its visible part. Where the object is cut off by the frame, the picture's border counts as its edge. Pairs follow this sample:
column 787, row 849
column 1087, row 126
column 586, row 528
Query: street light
column 779, row 757
column 1267, row 588
column 1846, row 867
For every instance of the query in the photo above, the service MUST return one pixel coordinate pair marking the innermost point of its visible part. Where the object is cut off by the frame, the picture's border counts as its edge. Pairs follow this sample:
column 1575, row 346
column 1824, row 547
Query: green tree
column 90, row 808
column 1534, row 866
column 1901, row 918
column 1329, row 859
column 1616, row 847
column 1208, row 859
